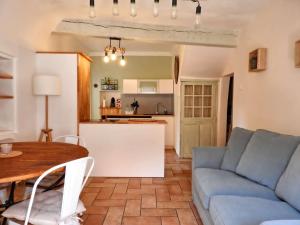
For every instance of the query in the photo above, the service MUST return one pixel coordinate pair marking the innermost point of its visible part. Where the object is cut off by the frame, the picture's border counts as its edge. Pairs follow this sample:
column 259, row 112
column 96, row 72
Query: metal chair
column 54, row 207
column 71, row 139
column 55, row 180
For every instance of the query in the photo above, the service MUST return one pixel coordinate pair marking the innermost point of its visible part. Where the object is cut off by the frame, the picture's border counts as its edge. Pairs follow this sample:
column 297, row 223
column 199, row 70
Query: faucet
column 162, row 105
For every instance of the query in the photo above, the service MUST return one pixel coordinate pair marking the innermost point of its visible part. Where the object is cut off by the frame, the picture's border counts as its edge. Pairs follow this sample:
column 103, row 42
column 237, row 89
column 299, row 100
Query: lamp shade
column 46, row 85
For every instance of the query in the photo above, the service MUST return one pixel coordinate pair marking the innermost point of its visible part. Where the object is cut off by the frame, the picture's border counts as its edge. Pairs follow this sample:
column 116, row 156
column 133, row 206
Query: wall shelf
column 258, row 60
column 297, row 54
column 6, row 97
column 5, row 76
column 8, row 124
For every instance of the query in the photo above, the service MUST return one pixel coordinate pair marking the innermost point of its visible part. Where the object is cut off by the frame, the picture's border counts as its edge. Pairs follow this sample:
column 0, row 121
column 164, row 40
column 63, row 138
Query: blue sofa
column 254, row 180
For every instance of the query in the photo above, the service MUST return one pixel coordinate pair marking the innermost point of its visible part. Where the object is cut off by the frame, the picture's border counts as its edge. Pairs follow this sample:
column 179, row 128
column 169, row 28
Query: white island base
column 125, row 150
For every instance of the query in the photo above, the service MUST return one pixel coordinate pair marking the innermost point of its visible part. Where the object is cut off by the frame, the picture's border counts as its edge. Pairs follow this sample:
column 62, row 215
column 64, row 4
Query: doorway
column 198, row 115
column 230, row 107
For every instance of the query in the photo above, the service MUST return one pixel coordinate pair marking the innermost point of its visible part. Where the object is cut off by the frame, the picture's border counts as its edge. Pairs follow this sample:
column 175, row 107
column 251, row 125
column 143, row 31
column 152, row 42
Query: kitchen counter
column 126, row 147
column 129, row 121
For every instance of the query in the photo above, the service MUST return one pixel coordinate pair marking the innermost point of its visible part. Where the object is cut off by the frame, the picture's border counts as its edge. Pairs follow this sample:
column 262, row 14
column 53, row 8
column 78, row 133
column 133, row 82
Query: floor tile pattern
column 143, row 201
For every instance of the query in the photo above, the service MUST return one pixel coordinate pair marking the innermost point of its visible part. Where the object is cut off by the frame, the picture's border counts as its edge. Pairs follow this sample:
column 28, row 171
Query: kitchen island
column 126, row 148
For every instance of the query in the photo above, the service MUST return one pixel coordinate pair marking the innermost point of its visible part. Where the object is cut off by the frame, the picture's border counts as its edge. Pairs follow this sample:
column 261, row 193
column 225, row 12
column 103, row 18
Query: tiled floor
column 143, row 201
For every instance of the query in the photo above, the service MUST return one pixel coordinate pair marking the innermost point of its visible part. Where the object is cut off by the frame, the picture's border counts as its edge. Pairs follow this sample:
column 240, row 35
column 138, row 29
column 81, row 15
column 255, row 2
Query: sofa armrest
column 281, row 222
column 208, row 157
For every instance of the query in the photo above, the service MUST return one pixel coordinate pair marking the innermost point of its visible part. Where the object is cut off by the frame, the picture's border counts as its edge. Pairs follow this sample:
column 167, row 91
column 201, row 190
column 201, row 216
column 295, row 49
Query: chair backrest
column 76, row 175
column 71, row 139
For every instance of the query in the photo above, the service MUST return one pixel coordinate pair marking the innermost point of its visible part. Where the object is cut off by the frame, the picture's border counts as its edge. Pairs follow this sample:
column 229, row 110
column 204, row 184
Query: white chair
column 71, row 139
column 54, row 207
column 55, row 180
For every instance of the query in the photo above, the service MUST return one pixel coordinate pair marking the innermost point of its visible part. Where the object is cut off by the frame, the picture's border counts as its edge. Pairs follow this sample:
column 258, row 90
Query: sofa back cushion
column 237, row 143
column 289, row 183
column 266, row 156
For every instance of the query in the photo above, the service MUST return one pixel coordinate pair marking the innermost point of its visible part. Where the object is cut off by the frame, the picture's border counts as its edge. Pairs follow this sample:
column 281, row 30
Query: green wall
column 137, row 67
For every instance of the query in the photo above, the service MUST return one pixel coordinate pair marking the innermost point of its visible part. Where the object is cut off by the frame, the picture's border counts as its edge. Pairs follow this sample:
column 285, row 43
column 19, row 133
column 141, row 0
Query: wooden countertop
column 129, row 121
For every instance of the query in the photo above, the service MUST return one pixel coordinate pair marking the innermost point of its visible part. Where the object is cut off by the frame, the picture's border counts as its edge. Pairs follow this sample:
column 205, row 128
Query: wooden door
column 198, row 115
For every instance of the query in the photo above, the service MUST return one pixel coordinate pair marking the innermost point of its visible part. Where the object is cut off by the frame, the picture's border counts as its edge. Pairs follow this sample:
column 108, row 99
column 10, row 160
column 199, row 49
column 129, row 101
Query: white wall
column 63, row 108
column 269, row 99
column 26, row 102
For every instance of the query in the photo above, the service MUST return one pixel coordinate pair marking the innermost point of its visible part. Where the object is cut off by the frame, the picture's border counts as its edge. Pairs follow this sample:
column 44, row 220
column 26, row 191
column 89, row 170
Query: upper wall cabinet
column 258, row 60
column 130, row 86
column 166, row 86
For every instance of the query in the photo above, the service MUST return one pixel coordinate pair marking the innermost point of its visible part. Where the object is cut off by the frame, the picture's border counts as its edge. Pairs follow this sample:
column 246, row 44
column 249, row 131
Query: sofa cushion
column 235, row 210
column 237, row 143
column 266, row 156
column 211, row 182
column 289, row 183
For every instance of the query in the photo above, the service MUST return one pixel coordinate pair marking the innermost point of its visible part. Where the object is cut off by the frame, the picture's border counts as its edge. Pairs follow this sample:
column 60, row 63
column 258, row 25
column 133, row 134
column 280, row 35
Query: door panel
column 206, row 135
column 190, row 139
column 198, row 115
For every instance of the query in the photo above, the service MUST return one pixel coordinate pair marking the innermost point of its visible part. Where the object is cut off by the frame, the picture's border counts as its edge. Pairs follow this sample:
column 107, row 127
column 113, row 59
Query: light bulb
column 115, row 9
column 155, row 8
column 92, row 12
column 198, row 15
column 133, row 10
column 123, row 61
column 197, row 20
column 106, row 58
column 174, row 12
column 113, row 56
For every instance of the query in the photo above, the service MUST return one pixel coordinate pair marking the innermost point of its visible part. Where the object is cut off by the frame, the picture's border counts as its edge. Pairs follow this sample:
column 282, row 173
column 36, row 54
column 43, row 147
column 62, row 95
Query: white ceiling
column 30, row 23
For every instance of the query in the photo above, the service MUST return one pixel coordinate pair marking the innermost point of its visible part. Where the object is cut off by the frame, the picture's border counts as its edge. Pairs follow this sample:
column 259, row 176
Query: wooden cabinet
column 84, row 88
column 258, row 60
column 166, row 86
column 130, row 86
column 7, row 97
column 107, row 111
column 297, row 54
column 73, row 105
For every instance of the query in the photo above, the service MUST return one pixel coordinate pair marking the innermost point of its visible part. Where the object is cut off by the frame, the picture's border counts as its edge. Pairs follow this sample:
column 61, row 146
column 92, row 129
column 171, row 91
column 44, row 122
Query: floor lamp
column 46, row 85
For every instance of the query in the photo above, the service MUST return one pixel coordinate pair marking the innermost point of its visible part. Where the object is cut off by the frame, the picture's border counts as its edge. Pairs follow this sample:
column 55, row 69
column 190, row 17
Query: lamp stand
column 46, row 132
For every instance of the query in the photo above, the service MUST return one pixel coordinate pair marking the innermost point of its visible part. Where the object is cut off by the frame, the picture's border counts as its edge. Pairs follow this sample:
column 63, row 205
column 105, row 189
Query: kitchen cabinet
column 163, row 86
column 147, row 86
column 166, row 86
column 130, row 86
column 169, row 131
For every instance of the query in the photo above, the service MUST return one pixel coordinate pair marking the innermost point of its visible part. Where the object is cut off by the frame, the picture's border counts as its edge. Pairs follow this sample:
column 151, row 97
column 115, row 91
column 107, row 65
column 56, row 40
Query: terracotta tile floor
column 143, row 201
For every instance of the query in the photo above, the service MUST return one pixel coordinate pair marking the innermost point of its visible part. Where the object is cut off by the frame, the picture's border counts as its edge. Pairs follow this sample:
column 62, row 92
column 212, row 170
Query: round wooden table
column 37, row 157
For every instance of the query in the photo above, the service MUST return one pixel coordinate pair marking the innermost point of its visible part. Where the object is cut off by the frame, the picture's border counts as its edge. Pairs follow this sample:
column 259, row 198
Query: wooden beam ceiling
column 135, row 31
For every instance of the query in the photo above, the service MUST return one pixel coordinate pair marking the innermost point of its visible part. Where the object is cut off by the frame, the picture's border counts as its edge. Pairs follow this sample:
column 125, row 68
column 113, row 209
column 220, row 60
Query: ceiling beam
column 135, row 31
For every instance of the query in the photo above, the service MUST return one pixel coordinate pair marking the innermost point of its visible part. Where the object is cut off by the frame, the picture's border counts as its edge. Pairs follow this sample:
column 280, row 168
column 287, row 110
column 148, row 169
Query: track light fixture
column 111, row 52
column 174, row 9
column 115, row 9
column 133, row 12
column 92, row 9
